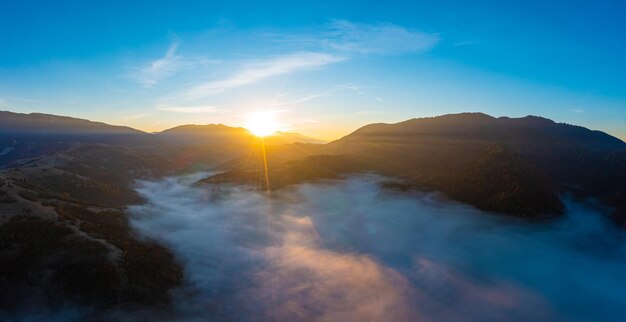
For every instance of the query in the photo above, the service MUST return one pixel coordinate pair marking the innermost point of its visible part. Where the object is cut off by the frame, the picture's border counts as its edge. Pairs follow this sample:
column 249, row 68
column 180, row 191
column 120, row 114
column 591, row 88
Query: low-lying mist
column 352, row 251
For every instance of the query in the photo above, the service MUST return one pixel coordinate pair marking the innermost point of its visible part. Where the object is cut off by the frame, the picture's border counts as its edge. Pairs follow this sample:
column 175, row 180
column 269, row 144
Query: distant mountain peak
column 201, row 129
column 530, row 119
column 203, row 132
column 48, row 123
column 528, row 130
column 467, row 115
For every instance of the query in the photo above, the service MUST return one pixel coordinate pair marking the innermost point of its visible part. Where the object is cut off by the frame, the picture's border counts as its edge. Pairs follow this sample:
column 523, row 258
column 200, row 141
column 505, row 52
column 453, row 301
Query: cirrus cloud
column 381, row 38
column 199, row 84
column 261, row 69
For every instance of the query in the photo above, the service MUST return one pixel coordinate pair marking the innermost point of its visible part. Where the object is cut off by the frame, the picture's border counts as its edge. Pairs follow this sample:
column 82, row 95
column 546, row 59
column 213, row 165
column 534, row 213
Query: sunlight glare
column 261, row 124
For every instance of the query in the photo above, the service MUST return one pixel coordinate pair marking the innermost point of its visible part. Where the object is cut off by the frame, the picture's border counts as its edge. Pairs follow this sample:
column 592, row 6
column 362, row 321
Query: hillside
column 29, row 135
column 575, row 159
column 24, row 136
column 526, row 134
column 202, row 134
column 509, row 165
column 67, row 237
column 40, row 123
column 66, row 206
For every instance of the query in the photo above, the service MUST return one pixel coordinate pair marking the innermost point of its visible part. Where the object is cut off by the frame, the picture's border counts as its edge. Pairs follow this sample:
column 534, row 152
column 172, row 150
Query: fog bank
column 351, row 251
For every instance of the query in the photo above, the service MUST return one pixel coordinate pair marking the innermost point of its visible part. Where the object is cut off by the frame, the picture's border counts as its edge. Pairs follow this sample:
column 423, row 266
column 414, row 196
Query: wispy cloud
column 578, row 110
column 333, row 42
column 136, row 116
column 466, row 43
column 189, row 109
column 382, row 38
column 360, row 38
column 170, row 64
column 259, row 70
column 158, row 69
column 344, row 89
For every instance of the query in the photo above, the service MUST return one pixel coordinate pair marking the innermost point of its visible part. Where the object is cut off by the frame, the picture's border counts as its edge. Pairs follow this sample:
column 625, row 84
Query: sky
column 321, row 68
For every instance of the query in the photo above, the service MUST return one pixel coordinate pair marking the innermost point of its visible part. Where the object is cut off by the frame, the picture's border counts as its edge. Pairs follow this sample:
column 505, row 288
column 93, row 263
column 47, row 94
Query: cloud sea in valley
column 352, row 250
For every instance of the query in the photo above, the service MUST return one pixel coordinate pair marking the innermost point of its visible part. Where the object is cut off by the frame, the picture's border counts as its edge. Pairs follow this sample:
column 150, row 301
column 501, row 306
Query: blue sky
column 322, row 68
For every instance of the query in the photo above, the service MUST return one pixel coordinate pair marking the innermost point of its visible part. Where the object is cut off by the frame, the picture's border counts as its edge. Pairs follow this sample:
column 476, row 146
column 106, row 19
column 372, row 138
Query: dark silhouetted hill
column 211, row 133
column 52, row 124
column 525, row 134
column 30, row 135
column 65, row 233
column 510, row 165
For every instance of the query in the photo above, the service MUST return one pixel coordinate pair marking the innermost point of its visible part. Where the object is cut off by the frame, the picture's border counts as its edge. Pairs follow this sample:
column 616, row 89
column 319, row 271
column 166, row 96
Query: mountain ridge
column 67, row 202
column 459, row 153
column 444, row 145
column 476, row 122
column 42, row 122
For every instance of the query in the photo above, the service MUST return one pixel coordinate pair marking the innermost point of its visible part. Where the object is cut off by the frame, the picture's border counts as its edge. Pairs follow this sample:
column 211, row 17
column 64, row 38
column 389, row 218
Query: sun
column 261, row 124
